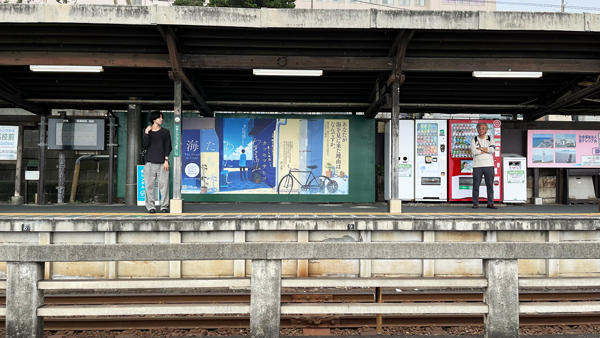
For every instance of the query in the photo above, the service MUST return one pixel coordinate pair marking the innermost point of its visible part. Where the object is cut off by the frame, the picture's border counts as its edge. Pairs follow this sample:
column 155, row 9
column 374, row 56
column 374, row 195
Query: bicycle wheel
column 285, row 184
column 319, row 185
column 332, row 188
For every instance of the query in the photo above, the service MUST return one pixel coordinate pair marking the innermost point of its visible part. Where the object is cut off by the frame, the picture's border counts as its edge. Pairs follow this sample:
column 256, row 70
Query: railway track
column 325, row 321
column 349, row 297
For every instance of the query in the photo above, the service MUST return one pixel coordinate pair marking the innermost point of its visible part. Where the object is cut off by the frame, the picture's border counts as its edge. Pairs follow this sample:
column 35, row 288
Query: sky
column 571, row 6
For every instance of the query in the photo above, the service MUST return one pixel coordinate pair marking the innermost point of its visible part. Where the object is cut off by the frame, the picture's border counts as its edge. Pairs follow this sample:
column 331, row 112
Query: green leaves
column 188, row 3
column 252, row 3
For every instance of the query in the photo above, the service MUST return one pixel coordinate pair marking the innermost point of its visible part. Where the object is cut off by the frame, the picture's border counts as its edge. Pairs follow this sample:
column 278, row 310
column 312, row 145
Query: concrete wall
column 299, row 18
column 316, row 268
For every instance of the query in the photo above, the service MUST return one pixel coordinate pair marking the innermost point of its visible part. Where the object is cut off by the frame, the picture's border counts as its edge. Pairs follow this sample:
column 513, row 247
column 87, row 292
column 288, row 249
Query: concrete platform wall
column 310, row 268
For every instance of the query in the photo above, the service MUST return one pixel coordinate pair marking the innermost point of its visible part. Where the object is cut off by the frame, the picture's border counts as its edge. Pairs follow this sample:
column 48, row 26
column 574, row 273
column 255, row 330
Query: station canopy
column 214, row 52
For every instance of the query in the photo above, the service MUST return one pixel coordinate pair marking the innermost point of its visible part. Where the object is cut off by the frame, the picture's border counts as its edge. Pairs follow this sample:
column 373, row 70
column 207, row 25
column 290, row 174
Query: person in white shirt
column 482, row 148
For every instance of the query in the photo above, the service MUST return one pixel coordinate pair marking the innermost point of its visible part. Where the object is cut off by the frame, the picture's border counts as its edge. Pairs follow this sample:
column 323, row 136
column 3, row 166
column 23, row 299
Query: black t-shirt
column 158, row 144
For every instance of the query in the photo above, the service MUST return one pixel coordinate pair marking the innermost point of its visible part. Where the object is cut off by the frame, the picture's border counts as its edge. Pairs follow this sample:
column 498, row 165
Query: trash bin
column 514, row 174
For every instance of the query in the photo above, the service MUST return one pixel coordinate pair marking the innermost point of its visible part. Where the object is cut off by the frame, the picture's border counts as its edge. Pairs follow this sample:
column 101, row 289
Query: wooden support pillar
column 395, row 204
column 535, row 194
column 379, row 318
column 17, row 199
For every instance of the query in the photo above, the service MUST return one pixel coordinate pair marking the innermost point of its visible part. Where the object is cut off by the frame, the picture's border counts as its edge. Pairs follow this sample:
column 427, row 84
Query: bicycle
column 314, row 184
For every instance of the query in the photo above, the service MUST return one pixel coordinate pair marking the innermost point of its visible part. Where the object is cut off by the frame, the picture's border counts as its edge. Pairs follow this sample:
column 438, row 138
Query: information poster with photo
column 563, row 149
column 254, row 156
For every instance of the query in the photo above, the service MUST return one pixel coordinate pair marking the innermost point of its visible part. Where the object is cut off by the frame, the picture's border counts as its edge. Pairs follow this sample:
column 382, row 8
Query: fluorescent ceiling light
column 287, row 72
column 68, row 69
column 508, row 74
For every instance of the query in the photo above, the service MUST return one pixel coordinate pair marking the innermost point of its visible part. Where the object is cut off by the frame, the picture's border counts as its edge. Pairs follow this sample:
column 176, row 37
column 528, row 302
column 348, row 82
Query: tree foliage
column 253, row 3
column 188, row 3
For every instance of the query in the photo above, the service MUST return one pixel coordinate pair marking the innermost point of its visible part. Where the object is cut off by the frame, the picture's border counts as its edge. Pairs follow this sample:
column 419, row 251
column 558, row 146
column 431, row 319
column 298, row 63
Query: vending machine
column 460, row 163
column 406, row 167
column 431, row 166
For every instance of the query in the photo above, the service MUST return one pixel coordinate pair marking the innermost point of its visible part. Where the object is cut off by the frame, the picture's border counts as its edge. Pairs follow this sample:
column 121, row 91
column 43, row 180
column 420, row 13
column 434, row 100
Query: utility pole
column 562, row 6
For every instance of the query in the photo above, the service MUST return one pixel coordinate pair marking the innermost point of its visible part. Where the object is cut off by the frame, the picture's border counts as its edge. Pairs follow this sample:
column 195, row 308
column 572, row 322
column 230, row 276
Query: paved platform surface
column 305, row 208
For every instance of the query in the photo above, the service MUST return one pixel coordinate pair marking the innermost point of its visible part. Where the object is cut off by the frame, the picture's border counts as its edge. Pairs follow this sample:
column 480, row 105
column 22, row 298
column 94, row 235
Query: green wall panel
column 362, row 162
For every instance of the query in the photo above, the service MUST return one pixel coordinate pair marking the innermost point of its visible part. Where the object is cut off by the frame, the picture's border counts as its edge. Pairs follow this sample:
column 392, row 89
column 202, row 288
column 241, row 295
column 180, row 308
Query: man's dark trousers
column 488, row 173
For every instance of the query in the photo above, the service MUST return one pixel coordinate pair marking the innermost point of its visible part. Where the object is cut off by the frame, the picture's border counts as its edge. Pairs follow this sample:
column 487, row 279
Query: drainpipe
column 112, row 125
column 76, row 173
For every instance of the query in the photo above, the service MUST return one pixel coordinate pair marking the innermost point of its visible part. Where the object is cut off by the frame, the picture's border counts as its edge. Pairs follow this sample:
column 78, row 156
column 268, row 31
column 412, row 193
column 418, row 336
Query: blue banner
column 141, row 186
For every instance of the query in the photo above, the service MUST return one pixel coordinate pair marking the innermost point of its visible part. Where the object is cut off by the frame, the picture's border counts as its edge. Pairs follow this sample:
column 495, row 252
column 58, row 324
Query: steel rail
column 345, row 322
column 346, row 297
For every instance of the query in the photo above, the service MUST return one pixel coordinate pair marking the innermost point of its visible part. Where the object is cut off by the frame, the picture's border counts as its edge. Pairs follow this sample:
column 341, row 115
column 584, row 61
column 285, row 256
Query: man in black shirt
column 158, row 142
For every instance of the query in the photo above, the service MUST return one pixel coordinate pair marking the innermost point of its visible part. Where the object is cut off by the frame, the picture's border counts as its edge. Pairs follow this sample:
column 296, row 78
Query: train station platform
column 245, row 208
column 300, row 217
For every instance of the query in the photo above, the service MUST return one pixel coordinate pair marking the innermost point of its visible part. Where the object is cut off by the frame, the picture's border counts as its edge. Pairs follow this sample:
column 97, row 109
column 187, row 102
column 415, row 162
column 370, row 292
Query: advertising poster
column 190, row 159
column 563, row 149
column 141, row 188
column 466, row 166
column 8, row 143
column 266, row 156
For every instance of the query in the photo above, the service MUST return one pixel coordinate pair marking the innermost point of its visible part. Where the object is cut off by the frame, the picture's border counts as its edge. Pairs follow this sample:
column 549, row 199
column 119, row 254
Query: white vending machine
column 515, row 178
column 431, row 160
column 406, row 168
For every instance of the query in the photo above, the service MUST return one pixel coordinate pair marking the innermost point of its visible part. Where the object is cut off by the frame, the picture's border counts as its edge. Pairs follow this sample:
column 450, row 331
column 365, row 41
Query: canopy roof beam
column 177, row 73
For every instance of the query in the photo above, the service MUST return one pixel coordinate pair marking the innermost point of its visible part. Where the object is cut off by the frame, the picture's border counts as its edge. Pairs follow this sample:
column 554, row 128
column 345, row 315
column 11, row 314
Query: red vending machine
column 460, row 161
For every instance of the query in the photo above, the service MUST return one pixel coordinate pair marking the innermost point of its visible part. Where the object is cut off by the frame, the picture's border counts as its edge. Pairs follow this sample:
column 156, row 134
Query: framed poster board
column 563, row 149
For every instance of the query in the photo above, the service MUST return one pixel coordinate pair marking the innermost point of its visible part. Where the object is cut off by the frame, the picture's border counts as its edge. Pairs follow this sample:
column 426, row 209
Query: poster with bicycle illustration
column 266, row 156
